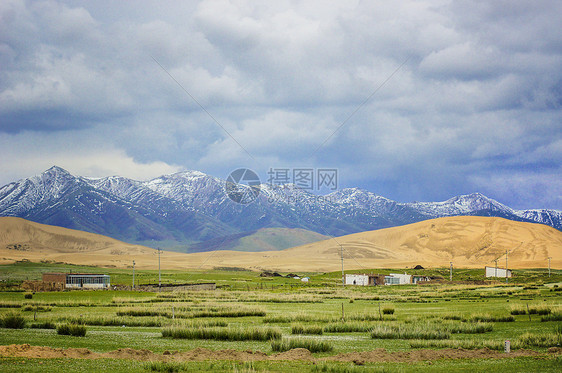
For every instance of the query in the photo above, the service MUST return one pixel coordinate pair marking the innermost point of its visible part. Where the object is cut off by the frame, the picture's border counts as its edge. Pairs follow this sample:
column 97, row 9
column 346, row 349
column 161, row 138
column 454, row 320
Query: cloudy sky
column 436, row 98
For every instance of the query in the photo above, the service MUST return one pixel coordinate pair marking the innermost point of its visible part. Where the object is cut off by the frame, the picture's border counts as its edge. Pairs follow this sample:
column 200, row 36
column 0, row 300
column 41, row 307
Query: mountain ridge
column 191, row 208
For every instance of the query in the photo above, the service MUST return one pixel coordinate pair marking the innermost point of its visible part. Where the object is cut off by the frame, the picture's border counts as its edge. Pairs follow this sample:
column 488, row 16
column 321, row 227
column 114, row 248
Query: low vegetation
column 318, row 316
column 306, row 329
column 409, row 331
column 12, row 321
column 312, row 345
column 223, row 334
column 74, row 330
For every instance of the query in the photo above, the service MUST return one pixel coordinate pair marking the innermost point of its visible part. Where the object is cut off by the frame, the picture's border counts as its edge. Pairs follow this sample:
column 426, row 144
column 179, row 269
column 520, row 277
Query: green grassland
column 269, row 314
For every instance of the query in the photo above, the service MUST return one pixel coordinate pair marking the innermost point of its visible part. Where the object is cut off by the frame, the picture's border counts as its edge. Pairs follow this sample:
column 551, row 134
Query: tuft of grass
column 452, row 317
column 518, row 310
column 468, row 328
column 347, row 327
column 539, row 310
column 74, row 330
column 299, row 317
column 223, row 334
column 311, row 345
column 112, row 321
column 490, row 318
column 30, row 307
column 388, row 310
column 555, row 316
column 8, row 304
column 43, row 325
column 468, row 344
column 164, row 366
column 230, row 312
column 539, row 340
column 306, row 329
column 409, row 331
column 143, row 312
column 12, row 321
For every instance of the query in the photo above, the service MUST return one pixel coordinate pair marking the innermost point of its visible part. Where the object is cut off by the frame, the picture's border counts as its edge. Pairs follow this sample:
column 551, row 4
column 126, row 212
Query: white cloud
column 481, row 90
column 24, row 156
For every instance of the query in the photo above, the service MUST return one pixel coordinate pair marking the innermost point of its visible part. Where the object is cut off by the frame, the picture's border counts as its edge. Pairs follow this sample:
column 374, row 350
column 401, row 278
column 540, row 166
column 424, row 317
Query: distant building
column 78, row 280
column 418, row 278
column 497, row 272
column 397, row 279
column 364, row 280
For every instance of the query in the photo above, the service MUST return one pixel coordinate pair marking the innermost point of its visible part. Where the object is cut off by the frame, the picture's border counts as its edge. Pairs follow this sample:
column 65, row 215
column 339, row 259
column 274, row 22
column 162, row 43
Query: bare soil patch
column 300, row 354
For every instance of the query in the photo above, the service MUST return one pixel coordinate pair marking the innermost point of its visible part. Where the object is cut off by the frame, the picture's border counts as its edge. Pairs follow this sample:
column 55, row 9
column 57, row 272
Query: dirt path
column 201, row 354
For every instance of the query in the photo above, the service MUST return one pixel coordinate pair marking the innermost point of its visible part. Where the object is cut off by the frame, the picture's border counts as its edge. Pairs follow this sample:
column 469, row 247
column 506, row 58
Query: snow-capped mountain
column 547, row 217
column 461, row 205
column 188, row 207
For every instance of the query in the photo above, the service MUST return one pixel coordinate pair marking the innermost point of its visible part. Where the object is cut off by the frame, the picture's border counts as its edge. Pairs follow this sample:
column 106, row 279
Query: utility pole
column 451, row 271
column 159, row 275
column 549, row 265
column 496, row 275
column 342, row 272
column 133, row 275
column 506, row 266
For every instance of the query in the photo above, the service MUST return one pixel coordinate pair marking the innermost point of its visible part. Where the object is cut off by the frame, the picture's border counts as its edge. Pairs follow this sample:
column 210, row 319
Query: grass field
column 274, row 314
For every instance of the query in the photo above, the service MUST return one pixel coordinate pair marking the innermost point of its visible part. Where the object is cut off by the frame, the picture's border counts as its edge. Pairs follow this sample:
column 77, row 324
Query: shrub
column 306, row 329
column 28, row 296
column 12, row 321
column 311, row 345
column 72, row 329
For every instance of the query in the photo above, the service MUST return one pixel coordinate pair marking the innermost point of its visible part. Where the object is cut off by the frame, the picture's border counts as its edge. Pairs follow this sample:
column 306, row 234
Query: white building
column 87, row 281
column 397, row 279
column 362, row 280
column 497, row 272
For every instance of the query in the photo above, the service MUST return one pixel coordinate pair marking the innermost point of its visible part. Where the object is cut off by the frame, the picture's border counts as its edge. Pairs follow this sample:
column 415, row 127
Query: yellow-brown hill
column 467, row 241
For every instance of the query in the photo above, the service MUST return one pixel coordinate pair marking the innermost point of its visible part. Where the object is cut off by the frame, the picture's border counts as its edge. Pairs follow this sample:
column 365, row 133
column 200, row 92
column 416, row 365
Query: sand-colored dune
column 467, row 241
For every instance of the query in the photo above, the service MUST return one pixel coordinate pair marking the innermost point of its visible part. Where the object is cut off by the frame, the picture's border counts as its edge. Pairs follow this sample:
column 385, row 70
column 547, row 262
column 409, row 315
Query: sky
column 411, row 100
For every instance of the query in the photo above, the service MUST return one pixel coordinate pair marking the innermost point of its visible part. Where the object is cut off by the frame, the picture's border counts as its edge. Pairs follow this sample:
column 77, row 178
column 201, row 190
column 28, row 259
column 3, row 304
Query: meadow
column 252, row 323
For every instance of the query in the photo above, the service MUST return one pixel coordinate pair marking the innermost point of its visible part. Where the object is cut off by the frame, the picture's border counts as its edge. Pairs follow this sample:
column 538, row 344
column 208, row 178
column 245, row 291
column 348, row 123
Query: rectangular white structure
column 497, row 272
column 402, row 278
column 87, row 281
column 361, row 280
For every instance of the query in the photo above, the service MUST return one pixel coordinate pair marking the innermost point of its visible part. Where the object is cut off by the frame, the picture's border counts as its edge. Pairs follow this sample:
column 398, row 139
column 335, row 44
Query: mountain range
column 190, row 211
